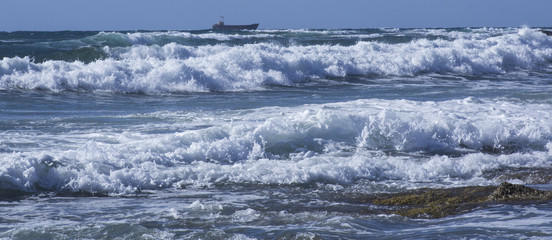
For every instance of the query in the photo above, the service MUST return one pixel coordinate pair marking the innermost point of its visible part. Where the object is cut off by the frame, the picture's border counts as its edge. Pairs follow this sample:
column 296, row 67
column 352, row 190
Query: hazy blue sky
column 275, row 14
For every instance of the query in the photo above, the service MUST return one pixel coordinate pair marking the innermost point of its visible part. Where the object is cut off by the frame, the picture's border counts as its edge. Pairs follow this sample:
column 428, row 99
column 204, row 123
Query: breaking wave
column 403, row 142
column 158, row 63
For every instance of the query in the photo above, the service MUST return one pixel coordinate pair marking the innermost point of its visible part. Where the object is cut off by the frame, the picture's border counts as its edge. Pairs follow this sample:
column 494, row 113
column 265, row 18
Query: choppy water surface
column 269, row 134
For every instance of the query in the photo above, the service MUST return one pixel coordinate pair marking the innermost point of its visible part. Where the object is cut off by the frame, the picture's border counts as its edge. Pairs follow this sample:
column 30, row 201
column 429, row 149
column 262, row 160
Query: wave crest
column 398, row 140
column 175, row 67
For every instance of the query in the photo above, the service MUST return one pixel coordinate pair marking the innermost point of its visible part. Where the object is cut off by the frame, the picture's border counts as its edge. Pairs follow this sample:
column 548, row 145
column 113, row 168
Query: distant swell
column 146, row 67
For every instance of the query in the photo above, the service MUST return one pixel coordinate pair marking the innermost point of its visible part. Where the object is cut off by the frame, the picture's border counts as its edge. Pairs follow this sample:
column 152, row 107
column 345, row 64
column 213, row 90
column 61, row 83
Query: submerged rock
column 436, row 203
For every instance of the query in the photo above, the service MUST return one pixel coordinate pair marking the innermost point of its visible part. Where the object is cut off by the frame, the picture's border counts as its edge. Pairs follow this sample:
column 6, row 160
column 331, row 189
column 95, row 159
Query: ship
column 221, row 26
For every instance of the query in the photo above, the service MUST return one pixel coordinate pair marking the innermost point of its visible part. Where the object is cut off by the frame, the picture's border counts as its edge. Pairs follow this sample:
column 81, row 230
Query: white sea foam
column 452, row 142
column 180, row 68
column 150, row 38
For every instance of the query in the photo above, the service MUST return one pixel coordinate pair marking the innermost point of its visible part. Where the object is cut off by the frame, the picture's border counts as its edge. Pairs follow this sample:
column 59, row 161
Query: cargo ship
column 220, row 25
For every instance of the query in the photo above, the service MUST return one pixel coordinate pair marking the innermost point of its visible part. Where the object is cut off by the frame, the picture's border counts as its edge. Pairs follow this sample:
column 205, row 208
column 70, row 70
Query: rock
column 437, row 203
column 515, row 192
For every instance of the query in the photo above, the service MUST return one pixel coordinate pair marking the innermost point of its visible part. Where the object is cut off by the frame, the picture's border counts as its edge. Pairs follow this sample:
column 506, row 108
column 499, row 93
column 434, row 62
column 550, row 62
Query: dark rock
column 436, row 203
column 515, row 192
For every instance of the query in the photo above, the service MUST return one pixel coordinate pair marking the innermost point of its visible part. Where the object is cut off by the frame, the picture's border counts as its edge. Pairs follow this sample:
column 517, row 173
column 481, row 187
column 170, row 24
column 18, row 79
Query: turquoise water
column 268, row 134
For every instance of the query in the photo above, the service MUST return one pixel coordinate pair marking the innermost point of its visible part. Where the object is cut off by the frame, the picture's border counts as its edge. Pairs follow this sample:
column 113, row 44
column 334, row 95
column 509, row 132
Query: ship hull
column 236, row 27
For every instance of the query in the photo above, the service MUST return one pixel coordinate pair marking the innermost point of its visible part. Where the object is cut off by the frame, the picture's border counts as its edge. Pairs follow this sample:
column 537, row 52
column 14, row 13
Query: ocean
column 270, row 134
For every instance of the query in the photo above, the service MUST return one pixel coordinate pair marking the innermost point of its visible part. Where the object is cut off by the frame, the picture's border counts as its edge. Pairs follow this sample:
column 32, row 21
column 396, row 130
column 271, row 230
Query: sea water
column 269, row 134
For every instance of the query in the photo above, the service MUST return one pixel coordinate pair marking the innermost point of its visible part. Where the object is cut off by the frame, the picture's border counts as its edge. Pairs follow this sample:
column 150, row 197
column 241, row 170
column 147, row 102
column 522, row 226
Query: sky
column 54, row 15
